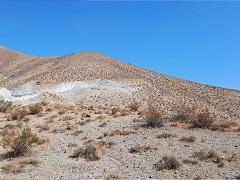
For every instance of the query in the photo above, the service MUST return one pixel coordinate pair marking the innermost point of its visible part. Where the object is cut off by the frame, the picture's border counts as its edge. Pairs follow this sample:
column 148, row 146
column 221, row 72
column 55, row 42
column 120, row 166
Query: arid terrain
column 86, row 115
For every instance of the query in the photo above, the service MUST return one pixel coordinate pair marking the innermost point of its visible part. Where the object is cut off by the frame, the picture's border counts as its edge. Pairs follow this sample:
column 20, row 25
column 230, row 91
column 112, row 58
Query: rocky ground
column 124, row 147
column 85, row 116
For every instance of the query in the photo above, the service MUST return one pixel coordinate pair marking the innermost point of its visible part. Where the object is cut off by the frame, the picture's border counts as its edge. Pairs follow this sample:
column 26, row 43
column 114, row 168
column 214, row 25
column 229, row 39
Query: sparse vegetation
column 19, row 167
column 139, row 149
column 189, row 161
column 168, row 163
column 210, row 155
column 166, row 135
column 35, row 109
column 202, row 120
column 19, row 144
column 188, row 139
column 17, row 114
column 183, row 114
column 5, row 105
column 92, row 151
column 153, row 118
column 120, row 133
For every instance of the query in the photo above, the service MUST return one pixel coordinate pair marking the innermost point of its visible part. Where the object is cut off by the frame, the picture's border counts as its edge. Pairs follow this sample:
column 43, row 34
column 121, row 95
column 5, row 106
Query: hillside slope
column 163, row 91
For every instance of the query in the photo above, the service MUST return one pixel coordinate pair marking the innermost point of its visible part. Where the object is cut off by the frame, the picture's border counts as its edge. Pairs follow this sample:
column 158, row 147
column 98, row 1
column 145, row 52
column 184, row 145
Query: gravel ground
column 55, row 162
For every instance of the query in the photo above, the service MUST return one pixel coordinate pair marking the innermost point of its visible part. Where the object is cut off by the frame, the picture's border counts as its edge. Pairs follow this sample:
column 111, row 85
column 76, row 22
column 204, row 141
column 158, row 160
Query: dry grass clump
column 120, row 133
column 19, row 167
column 5, row 105
column 17, row 114
column 189, row 161
column 183, row 114
column 134, row 106
column 196, row 119
column 92, row 151
column 166, row 135
column 139, row 149
column 210, row 155
column 168, row 163
column 153, row 118
column 202, row 120
column 21, row 143
column 188, row 139
column 35, row 109
column 10, row 168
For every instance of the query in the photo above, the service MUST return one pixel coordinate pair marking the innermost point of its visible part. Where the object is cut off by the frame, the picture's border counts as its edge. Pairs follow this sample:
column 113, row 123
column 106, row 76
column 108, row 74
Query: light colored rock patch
column 32, row 91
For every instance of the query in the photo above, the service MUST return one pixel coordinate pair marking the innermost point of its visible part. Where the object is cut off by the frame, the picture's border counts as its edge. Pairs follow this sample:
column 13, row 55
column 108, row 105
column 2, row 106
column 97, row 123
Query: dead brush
column 5, row 105
column 20, row 166
column 188, row 139
column 166, row 135
column 93, row 151
column 210, row 155
column 167, row 162
column 139, row 149
column 189, row 161
column 17, row 114
column 118, row 132
column 153, row 118
column 35, row 109
column 202, row 120
column 183, row 114
column 21, row 143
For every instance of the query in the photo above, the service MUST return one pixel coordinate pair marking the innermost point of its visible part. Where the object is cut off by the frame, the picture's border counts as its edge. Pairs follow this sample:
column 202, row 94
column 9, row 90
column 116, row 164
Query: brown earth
column 165, row 92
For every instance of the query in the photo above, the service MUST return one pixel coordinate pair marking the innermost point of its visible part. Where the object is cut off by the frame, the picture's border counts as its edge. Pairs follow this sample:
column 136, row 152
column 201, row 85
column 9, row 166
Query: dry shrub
column 139, row 149
column 168, row 163
column 166, row 135
column 19, row 167
column 5, row 105
column 153, row 118
column 188, row 139
column 225, row 125
column 35, row 109
column 92, row 151
column 10, row 168
column 21, row 143
column 32, row 162
column 17, row 114
column 210, row 155
column 120, row 133
column 202, row 120
column 189, row 161
column 134, row 106
column 183, row 114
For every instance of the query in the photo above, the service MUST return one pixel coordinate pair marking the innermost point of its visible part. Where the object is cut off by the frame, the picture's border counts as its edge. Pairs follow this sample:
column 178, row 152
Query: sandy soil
column 71, row 129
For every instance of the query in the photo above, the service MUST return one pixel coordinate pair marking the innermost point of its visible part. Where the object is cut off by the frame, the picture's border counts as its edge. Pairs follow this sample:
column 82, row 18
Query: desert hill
column 89, row 116
column 167, row 92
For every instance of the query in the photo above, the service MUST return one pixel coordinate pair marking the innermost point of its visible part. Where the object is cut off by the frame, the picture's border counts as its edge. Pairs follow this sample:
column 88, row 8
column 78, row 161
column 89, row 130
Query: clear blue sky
column 197, row 41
